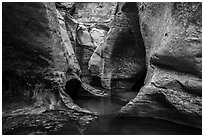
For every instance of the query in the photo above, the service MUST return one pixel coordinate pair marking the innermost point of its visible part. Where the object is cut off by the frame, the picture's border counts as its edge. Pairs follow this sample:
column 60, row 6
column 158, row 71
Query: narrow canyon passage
column 117, row 51
column 101, row 68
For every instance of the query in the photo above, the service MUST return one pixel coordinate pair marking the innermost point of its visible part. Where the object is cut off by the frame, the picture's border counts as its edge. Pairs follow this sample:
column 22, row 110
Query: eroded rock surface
column 79, row 43
column 172, row 35
column 121, row 58
column 52, row 51
column 87, row 36
column 37, row 55
column 32, row 48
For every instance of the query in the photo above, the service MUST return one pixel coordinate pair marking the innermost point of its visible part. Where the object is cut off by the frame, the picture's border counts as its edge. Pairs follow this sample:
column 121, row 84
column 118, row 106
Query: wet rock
column 173, row 91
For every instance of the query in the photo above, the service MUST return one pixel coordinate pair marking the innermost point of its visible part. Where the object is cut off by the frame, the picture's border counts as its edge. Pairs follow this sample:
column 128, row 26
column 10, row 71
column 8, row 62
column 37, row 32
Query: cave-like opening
column 72, row 88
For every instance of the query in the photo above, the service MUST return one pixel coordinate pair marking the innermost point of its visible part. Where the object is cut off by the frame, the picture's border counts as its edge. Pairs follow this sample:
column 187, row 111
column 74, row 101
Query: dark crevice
column 96, row 81
column 128, row 38
column 72, row 88
column 139, row 83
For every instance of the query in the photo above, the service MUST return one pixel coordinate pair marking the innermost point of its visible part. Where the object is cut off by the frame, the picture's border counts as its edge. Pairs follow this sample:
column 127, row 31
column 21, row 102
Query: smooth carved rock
column 32, row 49
column 37, row 55
column 173, row 86
column 122, row 55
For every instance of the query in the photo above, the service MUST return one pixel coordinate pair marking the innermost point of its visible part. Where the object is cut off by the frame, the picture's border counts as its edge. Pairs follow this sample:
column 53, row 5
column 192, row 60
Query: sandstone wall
column 35, row 58
column 172, row 34
column 121, row 58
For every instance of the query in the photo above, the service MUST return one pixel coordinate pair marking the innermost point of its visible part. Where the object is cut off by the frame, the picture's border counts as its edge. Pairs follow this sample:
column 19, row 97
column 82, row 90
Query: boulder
column 172, row 34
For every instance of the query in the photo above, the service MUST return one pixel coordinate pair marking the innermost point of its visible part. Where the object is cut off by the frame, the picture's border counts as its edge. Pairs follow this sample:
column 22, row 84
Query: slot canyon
column 101, row 68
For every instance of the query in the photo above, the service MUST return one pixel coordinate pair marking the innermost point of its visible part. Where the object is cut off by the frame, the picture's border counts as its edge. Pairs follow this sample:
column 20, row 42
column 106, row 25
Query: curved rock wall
column 32, row 48
column 120, row 60
column 172, row 35
column 80, row 40
column 37, row 54
column 40, row 57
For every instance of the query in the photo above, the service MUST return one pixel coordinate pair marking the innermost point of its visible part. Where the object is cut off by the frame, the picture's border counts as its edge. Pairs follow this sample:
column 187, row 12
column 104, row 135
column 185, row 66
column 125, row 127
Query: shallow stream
column 110, row 123
column 107, row 123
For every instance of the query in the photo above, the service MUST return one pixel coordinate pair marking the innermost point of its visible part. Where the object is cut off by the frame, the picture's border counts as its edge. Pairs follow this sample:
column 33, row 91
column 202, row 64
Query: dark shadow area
column 15, row 91
column 72, row 88
column 103, row 27
column 96, row 81
column 129, row 47
column 129, row 7
column 139, row 82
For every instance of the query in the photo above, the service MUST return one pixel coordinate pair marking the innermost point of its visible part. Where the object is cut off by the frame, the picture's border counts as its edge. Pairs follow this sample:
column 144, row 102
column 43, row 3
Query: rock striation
column 37, row 55
column 37, row 61
column 172, row 34
column 54, row 52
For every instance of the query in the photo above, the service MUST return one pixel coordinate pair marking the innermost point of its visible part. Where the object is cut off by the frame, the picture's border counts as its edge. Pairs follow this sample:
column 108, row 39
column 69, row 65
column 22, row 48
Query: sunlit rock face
column 172, row 35
column 120, row 60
